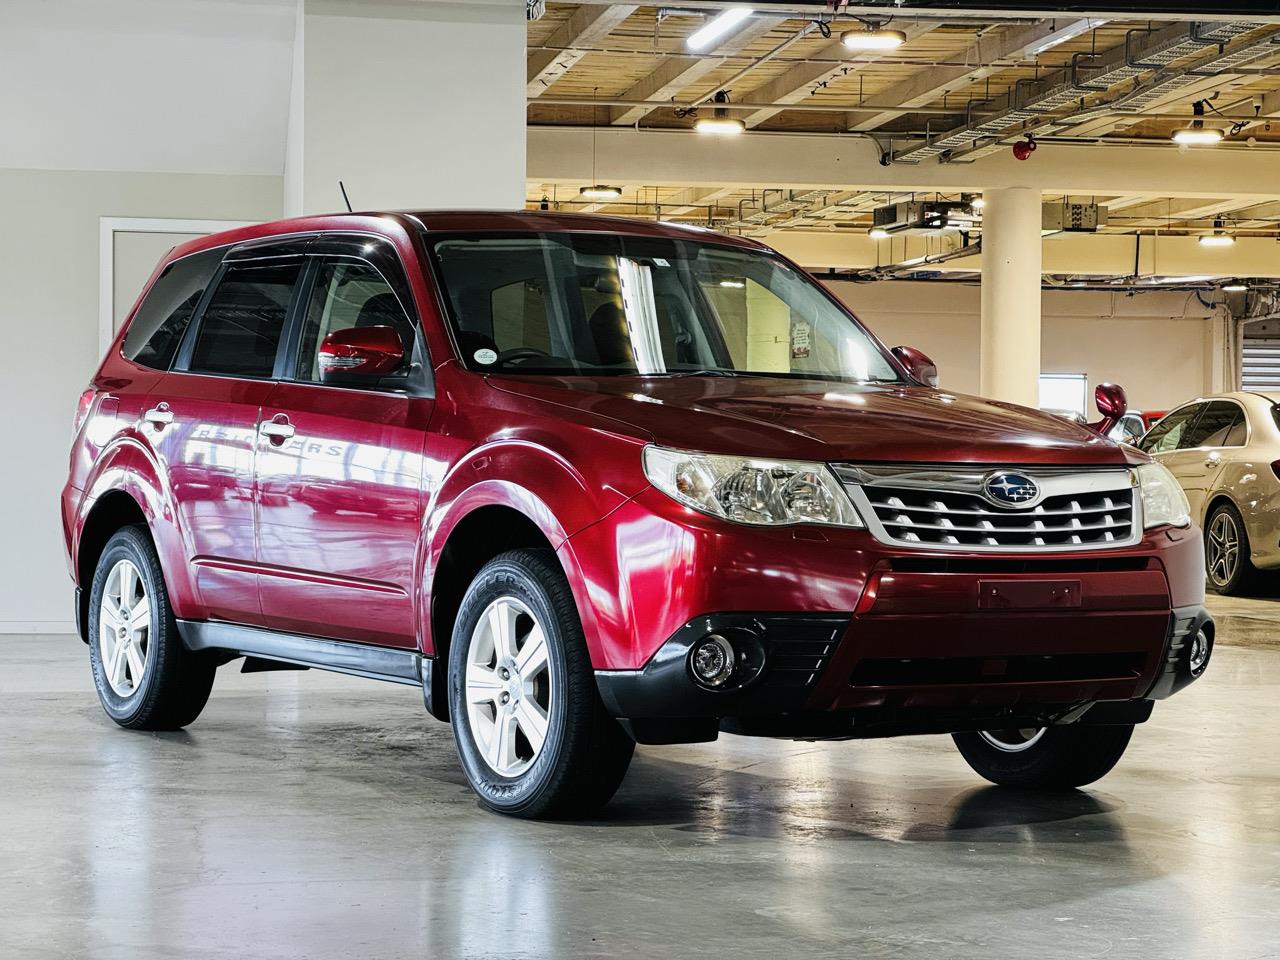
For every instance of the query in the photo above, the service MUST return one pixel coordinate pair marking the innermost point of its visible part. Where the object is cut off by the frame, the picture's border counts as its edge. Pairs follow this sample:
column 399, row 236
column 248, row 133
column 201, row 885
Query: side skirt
column 357, row 659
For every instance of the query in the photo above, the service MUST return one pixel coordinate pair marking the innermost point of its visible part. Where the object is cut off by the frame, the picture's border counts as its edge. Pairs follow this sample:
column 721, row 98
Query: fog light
column 1199, row 656
column 712, row 661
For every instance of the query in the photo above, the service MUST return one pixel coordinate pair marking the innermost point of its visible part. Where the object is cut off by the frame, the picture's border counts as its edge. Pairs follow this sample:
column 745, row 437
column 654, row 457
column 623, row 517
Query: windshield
column 601, row 304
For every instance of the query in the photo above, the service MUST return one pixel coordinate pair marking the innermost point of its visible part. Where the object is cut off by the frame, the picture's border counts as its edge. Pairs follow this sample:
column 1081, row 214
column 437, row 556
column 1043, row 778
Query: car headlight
column 1163, row 501
column 751, row 489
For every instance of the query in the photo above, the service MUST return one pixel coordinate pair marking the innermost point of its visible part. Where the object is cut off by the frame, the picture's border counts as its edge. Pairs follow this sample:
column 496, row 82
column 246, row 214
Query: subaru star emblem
column 1010, row 489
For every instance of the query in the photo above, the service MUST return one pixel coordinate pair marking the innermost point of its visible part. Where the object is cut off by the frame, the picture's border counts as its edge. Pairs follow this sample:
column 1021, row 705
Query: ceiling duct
column 1029, row 100
column 924, row 218
column 1072, row 218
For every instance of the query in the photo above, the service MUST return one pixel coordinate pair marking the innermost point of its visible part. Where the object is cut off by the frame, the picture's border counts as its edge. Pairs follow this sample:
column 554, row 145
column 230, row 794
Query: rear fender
column 129, row 466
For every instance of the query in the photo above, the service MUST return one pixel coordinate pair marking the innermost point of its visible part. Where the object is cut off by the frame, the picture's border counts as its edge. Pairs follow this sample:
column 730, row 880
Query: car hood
column 820, row 420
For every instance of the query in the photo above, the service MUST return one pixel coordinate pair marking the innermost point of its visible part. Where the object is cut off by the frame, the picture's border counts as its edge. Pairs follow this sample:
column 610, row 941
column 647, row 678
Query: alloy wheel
column 1013, row 741
column 508, row 686
column 124, row 628
column 1223, row 549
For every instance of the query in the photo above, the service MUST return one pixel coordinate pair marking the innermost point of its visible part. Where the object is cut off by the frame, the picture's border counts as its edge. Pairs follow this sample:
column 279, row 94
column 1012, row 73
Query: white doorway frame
column 108, row 227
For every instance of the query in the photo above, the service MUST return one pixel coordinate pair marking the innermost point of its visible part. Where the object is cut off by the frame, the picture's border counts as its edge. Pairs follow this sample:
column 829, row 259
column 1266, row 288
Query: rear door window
column 162, row 318
column 240, row 331
column 1215, row 425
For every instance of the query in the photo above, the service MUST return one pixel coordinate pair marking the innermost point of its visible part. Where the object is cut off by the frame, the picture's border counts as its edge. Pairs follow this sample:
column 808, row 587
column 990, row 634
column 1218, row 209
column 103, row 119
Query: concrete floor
column 314, row 816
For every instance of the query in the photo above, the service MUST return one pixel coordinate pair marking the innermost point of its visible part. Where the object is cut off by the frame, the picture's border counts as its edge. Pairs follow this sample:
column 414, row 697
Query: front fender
column 536, row 482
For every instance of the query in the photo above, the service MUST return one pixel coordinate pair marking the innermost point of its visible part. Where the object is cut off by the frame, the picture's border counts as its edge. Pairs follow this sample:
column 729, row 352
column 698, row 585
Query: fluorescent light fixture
column 873, row 39
column 1217, row 239
column 877, row 233
column 732, row 284
column 1235, row 287
column 1197, row 134
column 720, row 126
column 717, row 27
column 1065, row 34
column 1198, row 278
column 600, row 191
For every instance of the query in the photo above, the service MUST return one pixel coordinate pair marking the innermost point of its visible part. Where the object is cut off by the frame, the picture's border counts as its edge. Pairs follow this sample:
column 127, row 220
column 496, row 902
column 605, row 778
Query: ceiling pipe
column 846, row 108
column 878, row 11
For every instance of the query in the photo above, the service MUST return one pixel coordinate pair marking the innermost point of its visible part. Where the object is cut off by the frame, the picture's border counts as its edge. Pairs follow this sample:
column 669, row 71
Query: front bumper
column 819, row 679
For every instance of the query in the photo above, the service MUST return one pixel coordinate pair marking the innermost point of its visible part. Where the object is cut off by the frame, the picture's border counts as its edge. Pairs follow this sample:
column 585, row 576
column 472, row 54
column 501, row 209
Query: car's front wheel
column 533, row 737
column 1047, row 758
column 146, row 679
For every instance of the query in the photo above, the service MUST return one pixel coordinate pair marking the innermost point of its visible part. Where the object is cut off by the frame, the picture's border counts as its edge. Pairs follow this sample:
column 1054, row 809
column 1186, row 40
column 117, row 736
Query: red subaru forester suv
column 591, row 482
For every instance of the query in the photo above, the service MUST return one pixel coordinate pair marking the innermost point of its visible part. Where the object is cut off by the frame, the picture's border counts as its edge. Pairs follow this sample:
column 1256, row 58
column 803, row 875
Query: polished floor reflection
column 308, row 815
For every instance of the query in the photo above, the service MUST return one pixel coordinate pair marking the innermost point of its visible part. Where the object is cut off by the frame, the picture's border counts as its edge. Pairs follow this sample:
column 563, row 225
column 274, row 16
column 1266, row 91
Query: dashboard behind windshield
column 600, row 304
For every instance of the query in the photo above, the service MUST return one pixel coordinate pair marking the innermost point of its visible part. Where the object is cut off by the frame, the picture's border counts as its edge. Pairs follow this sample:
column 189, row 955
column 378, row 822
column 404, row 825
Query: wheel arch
column 127, row 487
column 110, row 512
column 475, row 537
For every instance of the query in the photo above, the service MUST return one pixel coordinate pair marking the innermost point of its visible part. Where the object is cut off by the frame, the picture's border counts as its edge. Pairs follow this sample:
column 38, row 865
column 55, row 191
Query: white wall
column 1163, row 347
column 48, row 315
column 183, row 86
column 410, row 104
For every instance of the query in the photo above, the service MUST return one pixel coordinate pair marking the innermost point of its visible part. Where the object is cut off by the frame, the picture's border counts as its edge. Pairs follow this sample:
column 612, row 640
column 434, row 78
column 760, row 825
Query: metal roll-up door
column 1260, row 366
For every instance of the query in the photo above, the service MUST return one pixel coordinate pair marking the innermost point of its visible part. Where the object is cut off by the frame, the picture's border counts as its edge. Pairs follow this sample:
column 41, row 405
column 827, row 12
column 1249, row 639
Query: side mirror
column 922, row 369
column 359, row 354
column 1111, row 403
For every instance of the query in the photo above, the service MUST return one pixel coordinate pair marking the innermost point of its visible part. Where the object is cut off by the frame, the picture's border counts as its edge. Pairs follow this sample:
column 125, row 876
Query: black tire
column 1061, row 759
column 175, row 682
column 1244, row 576
column 585, row 753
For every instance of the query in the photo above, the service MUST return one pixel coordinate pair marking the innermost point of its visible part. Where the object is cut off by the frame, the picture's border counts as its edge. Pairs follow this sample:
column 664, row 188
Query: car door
column 1183, row 442
column 340, row 468
column 204, row 416
column 1204, row 447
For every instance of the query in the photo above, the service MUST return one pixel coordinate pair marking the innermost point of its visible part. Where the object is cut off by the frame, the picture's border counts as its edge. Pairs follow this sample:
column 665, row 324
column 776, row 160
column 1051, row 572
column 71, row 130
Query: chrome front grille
column 947, row 508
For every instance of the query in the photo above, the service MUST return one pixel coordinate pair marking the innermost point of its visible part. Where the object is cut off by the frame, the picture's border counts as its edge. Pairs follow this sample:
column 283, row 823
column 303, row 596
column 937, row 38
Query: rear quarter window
column 162, row 318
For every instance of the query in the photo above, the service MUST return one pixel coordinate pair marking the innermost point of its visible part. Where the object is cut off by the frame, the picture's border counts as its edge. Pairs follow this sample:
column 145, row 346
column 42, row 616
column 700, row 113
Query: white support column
column 411, row 104
column 1009, row 361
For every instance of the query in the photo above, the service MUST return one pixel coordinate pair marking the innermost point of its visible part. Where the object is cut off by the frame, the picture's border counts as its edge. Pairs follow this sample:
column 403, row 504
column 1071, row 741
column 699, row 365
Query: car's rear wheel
column 533, row 737
column 146, row 679
column 1226, row 551
column 1048, row 758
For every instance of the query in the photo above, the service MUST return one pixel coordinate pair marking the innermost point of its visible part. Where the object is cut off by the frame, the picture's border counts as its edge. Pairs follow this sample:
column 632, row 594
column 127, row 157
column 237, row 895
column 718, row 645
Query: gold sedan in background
column 1225, row 452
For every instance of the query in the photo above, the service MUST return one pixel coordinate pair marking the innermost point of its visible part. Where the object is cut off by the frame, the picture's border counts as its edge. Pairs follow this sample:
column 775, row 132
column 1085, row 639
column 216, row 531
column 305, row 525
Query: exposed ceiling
column 958, row 88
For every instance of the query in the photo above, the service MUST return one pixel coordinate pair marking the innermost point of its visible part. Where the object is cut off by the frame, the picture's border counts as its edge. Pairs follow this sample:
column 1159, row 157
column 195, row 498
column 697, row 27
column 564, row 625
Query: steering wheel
column 516, row 354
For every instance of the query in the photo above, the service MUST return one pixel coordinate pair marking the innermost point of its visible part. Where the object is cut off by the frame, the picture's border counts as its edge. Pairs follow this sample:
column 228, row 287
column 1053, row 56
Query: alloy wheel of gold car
column 1222, row 548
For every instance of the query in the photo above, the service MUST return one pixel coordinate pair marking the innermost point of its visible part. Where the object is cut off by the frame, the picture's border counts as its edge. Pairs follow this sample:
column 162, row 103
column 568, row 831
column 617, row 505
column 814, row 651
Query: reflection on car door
column 204, row 416
column 340, row 493
column 1219, row 426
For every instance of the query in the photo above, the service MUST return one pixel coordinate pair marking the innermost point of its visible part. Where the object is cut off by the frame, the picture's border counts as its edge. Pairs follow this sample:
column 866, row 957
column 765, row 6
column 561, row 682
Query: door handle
column 1212, row 460
column 159, row 416
column 278, row 429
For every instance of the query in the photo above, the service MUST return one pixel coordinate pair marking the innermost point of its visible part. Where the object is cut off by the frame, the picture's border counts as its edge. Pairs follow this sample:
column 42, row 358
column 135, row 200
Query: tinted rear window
column 241, row 328
column 162, row 318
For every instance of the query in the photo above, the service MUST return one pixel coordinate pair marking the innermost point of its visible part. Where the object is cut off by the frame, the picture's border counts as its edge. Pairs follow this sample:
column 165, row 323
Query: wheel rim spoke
column 532, row 658
column 507, row 686
column 140, row 615
column 124, row 622
column 532, row 721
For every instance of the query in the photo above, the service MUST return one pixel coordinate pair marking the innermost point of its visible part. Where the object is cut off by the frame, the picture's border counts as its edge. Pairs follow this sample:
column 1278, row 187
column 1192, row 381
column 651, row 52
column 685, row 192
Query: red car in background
column 591, row 482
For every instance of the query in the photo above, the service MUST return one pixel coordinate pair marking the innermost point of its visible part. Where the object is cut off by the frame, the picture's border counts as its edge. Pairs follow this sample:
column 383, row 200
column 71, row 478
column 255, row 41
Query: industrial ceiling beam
column 1109, row 255
column 806, row 161
column 1223, row 12
column 1012, row 43
column 801, row 81
column 586, row 27
column 676, row 74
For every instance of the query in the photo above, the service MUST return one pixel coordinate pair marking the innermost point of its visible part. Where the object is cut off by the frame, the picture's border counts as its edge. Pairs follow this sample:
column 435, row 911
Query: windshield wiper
column 700, row 373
